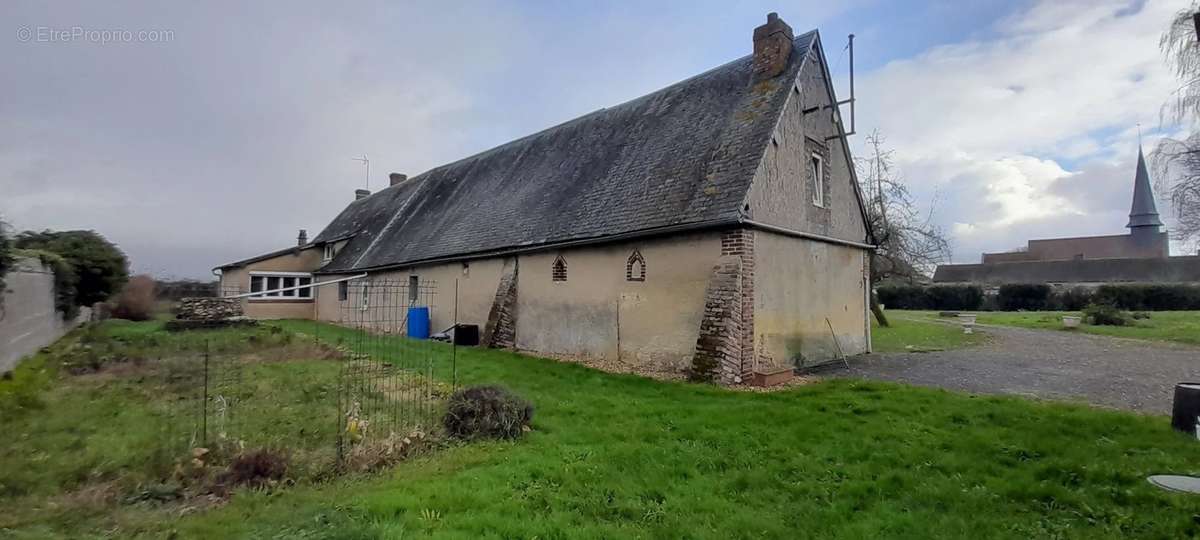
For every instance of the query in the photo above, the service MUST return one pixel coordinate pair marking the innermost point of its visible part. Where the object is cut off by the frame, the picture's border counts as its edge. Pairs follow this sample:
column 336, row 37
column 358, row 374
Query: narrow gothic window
column 558, row 272
column 816, row 174
column 635, row 267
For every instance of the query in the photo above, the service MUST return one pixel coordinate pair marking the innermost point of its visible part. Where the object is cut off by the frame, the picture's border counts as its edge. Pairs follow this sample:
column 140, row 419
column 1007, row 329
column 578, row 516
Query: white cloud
column 993, row 125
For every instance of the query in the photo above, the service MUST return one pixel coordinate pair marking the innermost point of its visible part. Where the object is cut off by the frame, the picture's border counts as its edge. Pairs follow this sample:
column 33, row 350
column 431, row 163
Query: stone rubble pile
column 208, row 309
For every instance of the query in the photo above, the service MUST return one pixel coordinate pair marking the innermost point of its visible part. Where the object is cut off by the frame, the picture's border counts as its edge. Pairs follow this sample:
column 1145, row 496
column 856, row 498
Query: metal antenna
column 367, row 163
column 851, row 101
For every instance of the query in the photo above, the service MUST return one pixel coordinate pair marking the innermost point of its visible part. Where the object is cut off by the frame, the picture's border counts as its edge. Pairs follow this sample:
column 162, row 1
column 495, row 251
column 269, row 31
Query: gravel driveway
column 1110, row 372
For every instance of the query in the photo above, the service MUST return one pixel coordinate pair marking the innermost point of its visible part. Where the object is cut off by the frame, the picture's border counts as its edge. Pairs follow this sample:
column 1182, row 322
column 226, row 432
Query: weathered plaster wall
column 306, row 260
column 781, row 194
column 28, row 319
column 597, row 313
column 476, row 290
column 798, row 283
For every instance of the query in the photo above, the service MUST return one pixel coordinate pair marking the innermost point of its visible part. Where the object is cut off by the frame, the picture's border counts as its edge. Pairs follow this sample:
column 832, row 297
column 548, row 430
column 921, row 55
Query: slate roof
column 265, row 256
column 681, row 157
column 1143, row 212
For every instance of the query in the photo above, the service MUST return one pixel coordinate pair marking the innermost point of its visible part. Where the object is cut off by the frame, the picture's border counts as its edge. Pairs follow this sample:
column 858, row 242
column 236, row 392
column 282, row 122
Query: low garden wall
column 28, row 319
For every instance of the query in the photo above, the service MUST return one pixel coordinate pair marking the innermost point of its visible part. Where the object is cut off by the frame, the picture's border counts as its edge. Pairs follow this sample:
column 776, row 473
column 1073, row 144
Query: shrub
column 1073, row 299
column 6, row 258
column 902, row 296
column 487, row 412
column 1153, row 297
column 954, row 297
column 1024, row 296
column 100, row 267
column 940, row 297
column 136, row 300
column 1105, row 314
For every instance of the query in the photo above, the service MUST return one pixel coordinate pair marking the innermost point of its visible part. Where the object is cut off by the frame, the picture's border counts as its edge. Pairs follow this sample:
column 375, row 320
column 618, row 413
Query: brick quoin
column 740, row 242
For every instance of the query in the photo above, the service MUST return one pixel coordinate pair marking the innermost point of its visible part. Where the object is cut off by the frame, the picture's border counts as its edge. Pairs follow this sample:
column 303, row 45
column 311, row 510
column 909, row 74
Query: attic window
column 328, row 253
column 558, row 271
column 635, row 267
column 816, row 175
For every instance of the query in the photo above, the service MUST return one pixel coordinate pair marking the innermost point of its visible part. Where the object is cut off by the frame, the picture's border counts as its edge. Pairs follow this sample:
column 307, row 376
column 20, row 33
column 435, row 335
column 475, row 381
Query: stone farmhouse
column 718, row 219
column 1141, row 256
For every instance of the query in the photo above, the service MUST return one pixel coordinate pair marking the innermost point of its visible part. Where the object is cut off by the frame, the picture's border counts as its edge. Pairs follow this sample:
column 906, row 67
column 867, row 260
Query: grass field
column 1176, row 326
column 908, row 335
column 619, row 456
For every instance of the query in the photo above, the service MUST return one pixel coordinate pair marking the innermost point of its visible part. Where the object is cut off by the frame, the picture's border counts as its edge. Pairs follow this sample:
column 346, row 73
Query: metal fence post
column 204, row 403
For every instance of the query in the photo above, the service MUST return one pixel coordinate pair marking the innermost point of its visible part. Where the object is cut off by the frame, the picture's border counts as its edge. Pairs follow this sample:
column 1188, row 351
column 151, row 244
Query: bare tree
column 1179, row 44
column 910, row 244
column 1177, row 161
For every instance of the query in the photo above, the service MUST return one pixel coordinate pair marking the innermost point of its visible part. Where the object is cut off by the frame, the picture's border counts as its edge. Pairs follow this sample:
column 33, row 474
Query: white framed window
column 328, row 253
column 816, row 175
column 280, row 286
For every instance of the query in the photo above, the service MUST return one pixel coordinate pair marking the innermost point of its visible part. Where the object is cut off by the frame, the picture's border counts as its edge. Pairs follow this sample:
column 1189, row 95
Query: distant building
column 1143, row 255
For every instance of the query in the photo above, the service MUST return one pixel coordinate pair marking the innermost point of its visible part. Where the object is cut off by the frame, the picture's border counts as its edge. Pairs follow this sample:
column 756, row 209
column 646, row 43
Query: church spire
column 1143, row 213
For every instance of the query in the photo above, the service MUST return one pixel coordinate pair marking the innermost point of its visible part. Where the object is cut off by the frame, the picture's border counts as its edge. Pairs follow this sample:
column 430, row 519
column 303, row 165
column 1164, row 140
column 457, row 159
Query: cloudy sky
column 196, row 134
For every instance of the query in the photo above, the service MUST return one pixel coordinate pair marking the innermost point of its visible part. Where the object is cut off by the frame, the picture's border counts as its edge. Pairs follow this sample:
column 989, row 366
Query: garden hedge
column 1149, row 297
column 1024, row 296
column 1040, row 296
column 939, row 297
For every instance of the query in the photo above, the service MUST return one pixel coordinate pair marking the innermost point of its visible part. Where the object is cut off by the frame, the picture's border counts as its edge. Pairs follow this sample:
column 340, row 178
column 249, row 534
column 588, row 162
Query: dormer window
column 329, row 252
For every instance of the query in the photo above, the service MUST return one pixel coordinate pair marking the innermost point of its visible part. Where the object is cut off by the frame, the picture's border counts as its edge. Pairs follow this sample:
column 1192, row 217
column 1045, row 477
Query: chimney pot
column 772, row 47
column 396, row 178
column 361, row 194
column 302, row 238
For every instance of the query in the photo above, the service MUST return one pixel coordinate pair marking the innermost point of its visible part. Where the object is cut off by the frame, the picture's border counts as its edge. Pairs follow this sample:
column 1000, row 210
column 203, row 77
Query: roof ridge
column 564, row 123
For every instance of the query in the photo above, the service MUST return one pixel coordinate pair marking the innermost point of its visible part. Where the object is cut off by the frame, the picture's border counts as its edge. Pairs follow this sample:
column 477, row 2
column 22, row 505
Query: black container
column 1186, row 407
column 466, row 334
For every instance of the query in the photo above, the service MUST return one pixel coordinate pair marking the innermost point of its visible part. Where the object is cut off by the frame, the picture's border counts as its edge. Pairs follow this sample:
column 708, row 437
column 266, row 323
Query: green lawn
column 1176, row 326
column 908, row 335
column 619, row 456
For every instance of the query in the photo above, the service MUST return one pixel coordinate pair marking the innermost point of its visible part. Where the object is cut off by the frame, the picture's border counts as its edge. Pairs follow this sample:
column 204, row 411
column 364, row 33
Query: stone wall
column 208, row 309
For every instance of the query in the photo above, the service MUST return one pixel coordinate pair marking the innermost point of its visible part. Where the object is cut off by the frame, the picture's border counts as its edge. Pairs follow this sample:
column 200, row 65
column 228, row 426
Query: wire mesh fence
column 374, row 375
column 203, row 389
column 387, row 383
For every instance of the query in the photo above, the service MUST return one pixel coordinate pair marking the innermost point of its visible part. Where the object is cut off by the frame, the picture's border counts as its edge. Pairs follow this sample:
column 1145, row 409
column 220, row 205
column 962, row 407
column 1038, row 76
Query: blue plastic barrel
column 418, row 322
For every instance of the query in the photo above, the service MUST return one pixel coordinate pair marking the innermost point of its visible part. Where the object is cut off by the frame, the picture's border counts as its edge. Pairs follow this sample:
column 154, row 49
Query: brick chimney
column 302, row 238
column 361, row 194
column 396, row 178
column 772, row 47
